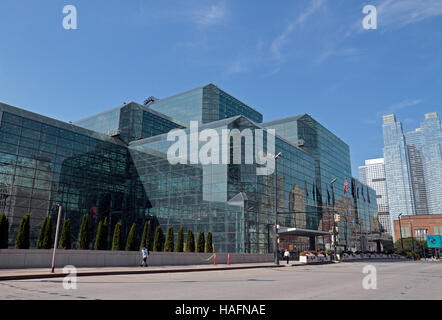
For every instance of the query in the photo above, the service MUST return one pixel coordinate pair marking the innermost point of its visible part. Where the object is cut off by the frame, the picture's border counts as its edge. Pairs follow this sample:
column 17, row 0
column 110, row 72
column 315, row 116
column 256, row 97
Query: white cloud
column 212, row 15
column 344, row 52
column 282, row 39
column 394, row 108
column 235, row 67
column 401, row 105
column 184, row 13
column 400, row 13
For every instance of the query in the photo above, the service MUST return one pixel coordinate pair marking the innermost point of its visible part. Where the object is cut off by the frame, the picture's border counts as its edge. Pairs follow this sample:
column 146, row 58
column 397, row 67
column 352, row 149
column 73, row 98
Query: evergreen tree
column 117, row 241
column 201, row 242
column 145, row 239
column 84, row 237
column 41, row 235
column 209, row 246
column 101, row 236
column 22, row 239
column 65, row 239
column 190, row 241
column 131, row 243
column 180, row 241
column 158, row 243
column 47, row 238
column 98, row 245
column 169, row 246
column 4, row 231
column 105, row 230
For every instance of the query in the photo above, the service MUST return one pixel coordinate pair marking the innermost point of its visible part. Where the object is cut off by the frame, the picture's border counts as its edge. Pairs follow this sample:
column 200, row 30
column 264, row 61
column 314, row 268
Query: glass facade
column 115, row 165
column 413, row 164
column 397, row 169
column 425, row 145
column 356, row 208
column 230, row 200
column 104, row 122
column 45, row 162
column 373, row 175
column 205, row 104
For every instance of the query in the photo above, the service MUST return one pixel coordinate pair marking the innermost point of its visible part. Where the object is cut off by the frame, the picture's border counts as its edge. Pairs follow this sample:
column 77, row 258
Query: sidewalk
column 26, row 274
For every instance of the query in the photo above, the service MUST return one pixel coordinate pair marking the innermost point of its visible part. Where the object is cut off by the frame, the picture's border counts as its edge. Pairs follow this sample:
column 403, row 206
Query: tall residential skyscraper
column 413, row 165
column 373, row 175
column 397, row 169
column 427, row 141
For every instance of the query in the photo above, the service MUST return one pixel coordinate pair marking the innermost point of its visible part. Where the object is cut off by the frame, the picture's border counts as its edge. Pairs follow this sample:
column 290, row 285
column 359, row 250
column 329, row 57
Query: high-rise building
column 426, row 143
column 413, row 165
column 397, row 169
column 373, row 175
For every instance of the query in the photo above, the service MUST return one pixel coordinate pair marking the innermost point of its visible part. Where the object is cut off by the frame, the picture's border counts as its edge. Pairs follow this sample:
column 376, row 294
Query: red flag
column 94, row 212
column 346, row 186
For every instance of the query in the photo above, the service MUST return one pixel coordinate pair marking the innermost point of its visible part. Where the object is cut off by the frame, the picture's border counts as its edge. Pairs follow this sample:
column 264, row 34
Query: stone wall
column 13, row 258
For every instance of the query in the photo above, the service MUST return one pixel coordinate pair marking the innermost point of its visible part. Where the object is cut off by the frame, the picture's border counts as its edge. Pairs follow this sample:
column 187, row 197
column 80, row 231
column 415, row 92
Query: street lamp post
column 276, row 253
column 334, row 220
column 400, row 232
column 56, row 238
column 346, row 233
column 412, row 237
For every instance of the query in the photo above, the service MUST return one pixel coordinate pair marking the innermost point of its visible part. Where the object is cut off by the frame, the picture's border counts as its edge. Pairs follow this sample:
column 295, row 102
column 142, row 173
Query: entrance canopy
column 379, row 239
column 283, row 231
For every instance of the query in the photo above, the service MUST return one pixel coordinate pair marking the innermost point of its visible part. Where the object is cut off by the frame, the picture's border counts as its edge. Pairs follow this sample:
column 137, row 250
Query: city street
column 395, row 280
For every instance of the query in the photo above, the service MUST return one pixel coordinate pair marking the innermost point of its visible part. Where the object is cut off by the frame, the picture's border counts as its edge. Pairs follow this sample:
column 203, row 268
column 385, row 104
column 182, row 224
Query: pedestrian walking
column 287, row 256
column 145, row 254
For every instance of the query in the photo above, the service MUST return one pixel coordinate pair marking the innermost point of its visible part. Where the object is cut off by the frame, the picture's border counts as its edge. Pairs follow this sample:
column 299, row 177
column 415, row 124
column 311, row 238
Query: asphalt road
column 394, row 280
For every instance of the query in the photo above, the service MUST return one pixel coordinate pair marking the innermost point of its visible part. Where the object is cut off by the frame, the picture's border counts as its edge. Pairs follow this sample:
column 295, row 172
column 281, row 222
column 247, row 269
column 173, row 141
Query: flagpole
column 334, row 220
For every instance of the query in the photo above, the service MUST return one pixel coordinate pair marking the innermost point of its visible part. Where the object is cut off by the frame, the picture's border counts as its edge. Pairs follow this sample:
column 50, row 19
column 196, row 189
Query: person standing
column 145, row 254
column 287, row 255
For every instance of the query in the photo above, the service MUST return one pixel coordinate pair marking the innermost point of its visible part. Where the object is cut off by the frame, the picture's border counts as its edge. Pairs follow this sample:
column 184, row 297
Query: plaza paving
column 395, row 280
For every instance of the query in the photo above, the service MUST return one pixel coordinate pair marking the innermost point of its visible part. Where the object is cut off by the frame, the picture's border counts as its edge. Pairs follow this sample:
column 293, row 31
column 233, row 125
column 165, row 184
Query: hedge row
column 159, row 244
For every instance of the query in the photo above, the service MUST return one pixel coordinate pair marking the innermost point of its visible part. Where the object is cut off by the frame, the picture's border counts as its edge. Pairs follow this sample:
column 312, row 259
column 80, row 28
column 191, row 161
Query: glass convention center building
column 115, row 165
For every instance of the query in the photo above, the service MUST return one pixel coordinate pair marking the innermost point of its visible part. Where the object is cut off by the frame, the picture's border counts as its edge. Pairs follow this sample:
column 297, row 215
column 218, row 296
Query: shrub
column 101, row 237
column 47, row 238
column 169, row 245
column 84, row 237
column 201, row 242
column 158, row 243
column 145, row 239
column 131, row 243
column 117, row 241
column 190, row 241
column 209, row 244
column 4, row 231
column 42, row 233
column 106, row 234
column 180, row 241
column 65, row 239
column 22, row 239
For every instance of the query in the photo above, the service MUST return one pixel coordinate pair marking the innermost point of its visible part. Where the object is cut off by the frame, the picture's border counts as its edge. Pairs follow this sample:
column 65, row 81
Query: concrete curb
column 134, row 272
column 373, row 260
column 312, row 264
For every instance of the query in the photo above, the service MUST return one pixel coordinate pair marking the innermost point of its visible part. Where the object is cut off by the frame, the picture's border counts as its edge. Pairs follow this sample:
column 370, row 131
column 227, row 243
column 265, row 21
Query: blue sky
column 281, row 57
